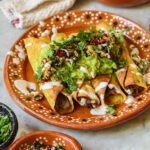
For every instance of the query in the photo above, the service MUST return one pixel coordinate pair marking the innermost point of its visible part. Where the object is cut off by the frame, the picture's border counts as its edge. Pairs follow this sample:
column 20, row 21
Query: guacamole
column 80, row 57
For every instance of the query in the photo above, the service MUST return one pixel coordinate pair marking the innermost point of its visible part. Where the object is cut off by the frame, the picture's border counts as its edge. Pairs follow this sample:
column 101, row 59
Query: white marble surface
column 133, row 135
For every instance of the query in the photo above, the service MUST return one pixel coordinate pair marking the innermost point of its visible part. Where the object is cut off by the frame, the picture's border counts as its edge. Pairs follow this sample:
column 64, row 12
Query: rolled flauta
column 130, row 79
column 58, row 100
column 100, row 84
column 114, row 94
column 134, row 81
column 86, row 95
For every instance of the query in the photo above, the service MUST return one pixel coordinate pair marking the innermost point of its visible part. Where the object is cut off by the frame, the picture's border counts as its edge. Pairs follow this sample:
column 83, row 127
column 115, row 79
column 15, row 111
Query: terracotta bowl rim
column 74, row 142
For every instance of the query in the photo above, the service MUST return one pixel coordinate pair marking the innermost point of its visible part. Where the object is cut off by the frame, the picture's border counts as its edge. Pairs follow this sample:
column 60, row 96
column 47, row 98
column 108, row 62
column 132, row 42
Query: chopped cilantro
column 51, row 54
column 81, row 45
column 64, row 74
column 111, row 109
column 5, row 128
column 143, row 65
column 122, row 63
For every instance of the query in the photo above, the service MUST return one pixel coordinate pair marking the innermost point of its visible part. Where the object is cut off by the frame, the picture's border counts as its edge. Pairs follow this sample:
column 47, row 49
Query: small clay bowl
column 47, row 138
column 5, row 110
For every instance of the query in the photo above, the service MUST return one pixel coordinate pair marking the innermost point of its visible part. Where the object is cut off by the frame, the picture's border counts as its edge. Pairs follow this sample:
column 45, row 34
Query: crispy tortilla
column 114, row 94
column 86, row 95
column 34, row 48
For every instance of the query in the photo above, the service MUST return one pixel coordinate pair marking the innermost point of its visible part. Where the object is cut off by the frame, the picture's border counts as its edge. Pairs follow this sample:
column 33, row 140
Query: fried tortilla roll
column 59, row 101
column 121, row 75
column 114, row 94
column 134, row 82
column 86, row 95
column 33, row 47
column 100, row 84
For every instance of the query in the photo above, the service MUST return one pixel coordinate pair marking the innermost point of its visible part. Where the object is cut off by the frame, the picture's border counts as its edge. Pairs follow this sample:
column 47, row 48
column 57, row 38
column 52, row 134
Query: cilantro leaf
column 5, row 128
column 143, row 65
column 111, row 109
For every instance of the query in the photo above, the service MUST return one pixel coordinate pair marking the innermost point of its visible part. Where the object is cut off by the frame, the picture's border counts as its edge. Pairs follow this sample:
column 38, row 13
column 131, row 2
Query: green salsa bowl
column 8, row 126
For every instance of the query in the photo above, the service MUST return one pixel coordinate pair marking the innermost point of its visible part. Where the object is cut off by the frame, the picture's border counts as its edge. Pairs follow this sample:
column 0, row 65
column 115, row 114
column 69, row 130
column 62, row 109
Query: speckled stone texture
column 133, row 135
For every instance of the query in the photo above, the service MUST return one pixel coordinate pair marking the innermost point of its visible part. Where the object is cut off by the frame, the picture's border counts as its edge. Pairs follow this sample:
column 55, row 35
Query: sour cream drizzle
column 24, row 86
column 121, row 70
column 16, row 61
column 83, row 101
column 101, row 85
column 102, row 109
column 49, row 85
column 89, row 94
column 129, row 100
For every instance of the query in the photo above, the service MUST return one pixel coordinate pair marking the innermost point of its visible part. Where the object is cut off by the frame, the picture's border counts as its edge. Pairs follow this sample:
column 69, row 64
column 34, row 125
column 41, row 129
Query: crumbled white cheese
column 10, row 53
column 45, row 33
column 42, row 23
column 49, row 85
column 147, row 78
column 22, row 55
column 44, row 45
column 28, row 44
column 54, row 31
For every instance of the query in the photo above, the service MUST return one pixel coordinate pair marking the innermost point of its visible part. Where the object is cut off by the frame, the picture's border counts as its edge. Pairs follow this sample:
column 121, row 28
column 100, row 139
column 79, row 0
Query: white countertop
column 133, row 135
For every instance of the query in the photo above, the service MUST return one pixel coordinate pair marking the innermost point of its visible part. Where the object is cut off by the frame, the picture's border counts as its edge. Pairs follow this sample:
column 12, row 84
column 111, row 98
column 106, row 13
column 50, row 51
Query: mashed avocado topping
column 80, row 57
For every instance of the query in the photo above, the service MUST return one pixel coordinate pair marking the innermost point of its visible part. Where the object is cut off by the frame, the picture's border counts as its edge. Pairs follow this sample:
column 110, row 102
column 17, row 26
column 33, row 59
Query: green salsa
column 5, row 128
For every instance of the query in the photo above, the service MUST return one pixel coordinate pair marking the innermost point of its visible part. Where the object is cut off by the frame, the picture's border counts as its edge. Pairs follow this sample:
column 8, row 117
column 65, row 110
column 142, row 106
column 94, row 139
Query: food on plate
column 131, row 76
column 114, row 94
column 92, row 67
column 60, row 101
column 86, row 96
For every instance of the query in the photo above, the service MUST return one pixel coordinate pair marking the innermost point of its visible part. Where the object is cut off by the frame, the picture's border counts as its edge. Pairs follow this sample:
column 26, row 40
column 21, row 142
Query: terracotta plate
column 48, row 138
column 81, row 118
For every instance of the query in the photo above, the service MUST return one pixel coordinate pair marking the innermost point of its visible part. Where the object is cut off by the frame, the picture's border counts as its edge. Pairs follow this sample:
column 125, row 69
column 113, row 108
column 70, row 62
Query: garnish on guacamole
column 80, row 57
column 5, row 128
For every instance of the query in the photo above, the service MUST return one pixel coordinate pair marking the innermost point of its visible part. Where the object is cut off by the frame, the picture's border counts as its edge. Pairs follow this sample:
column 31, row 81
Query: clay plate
column 48, row 138
column 81, row 118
